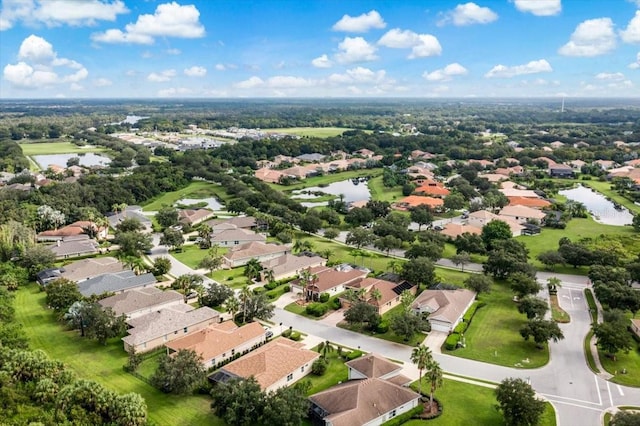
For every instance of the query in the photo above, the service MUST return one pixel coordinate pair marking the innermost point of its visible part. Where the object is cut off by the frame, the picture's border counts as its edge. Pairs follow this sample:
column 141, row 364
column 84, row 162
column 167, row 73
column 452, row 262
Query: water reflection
column 87, row 159
column 352, row 189
column 212, row 203
column 601, row 209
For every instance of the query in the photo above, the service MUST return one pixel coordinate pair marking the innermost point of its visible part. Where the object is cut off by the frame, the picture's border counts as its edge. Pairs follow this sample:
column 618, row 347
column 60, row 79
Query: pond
column 352, row 189
column 87, row 159
column 211, row 202
column 602, row 210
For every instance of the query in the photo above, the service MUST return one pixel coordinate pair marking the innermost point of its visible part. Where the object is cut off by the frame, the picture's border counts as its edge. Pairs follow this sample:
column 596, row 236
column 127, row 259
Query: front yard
column 629, row 363
column 191, row 255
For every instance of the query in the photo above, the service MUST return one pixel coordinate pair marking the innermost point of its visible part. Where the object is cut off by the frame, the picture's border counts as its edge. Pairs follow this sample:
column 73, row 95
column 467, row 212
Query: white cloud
column 468, row 14
column 162, row 76
column 37, row 63
column 360, row 75
column 173, row 51
column 421, row 45
column 76, row 87
column 446, row 73
column 102, row 82
column 169, row 20
column 322, row 61
column 616, row 76
column 54, row 13
column 592, row 37
column 220, row 67
column 632, row 33
column 174, row 91
column 539, row 7
column 635, row 65
column 195, row 71
column 287, row 82
column 360, row 24
column 355, row 49
column 250, row 83
column 533, row 67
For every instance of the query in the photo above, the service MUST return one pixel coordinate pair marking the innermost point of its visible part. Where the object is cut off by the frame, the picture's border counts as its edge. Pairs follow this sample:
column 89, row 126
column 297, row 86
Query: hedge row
column 454, row 338
column 404, row 417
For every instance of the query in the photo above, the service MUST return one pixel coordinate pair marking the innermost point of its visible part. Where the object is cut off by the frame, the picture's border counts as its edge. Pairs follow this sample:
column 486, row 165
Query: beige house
column 481, row 217
column 388, row 292
column 81, row 270
column 235, row 237
column 141, row 301
column 522, row 214
column 445, row 307
column 220, row 342
column 453, row 230
column 194, row 216
column 372, row 365
column 155, row 329
column 290, row 265
column 241, row 254
column 369, row 402
column 324, row 279
column 279, row 363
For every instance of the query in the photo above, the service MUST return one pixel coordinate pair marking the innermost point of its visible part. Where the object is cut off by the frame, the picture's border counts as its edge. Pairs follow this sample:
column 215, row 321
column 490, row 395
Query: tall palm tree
column 245, row 295
column 252, row 269
column 233, row 306
column 376, row 294
column 325, row 347
column 394, row 265
column 269, row 276
column 552, row 284
column 421, row 356
column 434, row 376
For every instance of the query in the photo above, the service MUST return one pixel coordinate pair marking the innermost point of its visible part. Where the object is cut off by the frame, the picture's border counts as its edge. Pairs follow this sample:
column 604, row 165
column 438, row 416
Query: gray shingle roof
column 119, row 281
column 137, row 299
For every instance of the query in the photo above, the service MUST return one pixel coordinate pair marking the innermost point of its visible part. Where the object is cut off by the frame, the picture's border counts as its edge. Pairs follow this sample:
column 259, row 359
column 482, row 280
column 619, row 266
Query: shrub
column 353, row 355
column 324, row 297
column 316, row 309
column 319, row 367
column 287, row 332
column 271, row 285
column 452, row 342
column 404, row 417
column 461, row 328
column 259, row 290
column 295, row 336
column 336, row 304
column 286, row 288
column 383, row 327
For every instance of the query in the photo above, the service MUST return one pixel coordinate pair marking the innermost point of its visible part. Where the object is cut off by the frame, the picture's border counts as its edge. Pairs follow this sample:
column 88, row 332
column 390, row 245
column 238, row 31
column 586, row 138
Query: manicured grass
column 234, row 278
column 103, row 363
column 465, row 404
column 316, row 132
column 629, row 362
column 576, row 229
column 326, row 179
column 494, row 334
column 379, row 192
column 605, row 189
column 591, row 302
column 198, row 189
column 45, row 148
column 589, row 355
column 191, row 255
column 557, row 313
column 336, row 372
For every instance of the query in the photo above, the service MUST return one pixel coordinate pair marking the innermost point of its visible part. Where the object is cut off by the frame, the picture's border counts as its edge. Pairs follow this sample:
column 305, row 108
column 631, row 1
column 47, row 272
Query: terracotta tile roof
column 432, row 190
column 329, row 278
column 76, row 228
column 416, row 200
column 357, row 402
column 373, row 365
column 193, row 215
column 528, row 202
column 444, row 305
column 454, row 229
column 272, row 362
column 215, row 340
column 269, row 175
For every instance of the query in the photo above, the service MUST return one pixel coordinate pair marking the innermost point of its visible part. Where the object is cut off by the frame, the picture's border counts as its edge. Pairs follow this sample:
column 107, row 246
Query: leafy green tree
column 36, row 259
column 257, row 306
column 387, row 243
column 361, row 312
column 331, row 233
column 533, row 307
column 359, row 237
column 238, row 402
column 421, row 356
column 406, row 324
column 172, row 238
column 523, row 284
column 167, row 216
column 470, row 243
column 461, row 259
column 506, row 258
column 479, row 283
column 422, row 215
column 551, row 258
column 216, row 294
column 61, row 294
column 211, row 263
column 419, row 271
column 286, row 406
column 161, row 266
column 613, row 337
column 495, row 230
column 179, row 374
column 625, row 418
column 636, row 222
column 325, row 348
column 129, row 224
column 454, row 201
column 518, row 403
column 406, row 300
column 133, row 243
column 15, row 238
column 541, row 331
column 430, row 250
column 188, row 283
column 95, row 322
column 310, row 223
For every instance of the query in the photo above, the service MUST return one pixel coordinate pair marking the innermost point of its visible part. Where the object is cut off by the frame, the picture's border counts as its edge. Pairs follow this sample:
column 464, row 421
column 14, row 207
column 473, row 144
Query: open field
column 45, row 148
column 90, row 360
column 494, row 334
column 198, row 190
column 317, row 132
column 462, row 402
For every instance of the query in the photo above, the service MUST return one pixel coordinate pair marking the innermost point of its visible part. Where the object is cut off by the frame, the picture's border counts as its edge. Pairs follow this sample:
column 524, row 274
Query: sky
column 319, row 48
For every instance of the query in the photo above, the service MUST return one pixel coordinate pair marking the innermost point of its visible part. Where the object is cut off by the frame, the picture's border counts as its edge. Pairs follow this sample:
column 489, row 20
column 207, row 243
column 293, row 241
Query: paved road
column 578, row 395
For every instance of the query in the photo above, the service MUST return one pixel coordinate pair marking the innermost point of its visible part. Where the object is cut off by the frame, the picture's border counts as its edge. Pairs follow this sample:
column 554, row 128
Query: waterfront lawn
column 197, row 189
column 326, row 179
column 494, row 334
column 464, row 401
column 313, row 132
column 379, row 192
column 606, row 190
column 47, row 148
column 629, row 362
column 103, row 363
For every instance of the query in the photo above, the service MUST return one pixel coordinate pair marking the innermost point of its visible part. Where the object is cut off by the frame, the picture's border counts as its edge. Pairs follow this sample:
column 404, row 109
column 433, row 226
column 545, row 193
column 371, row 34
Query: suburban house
column 522, row 214
column 417, row 200
column 239, row 255
column 561, row 171
column 537, row 203
column 240, row 222
column 221, row 342
column 388, row 292
column 130, row 212
column 235, row 237
column 453, row 230
column 635, row 327
column 290, row 265
column 76, row 228
column 368, row 402
column 324, row 279
column 141, row 301
column 69, row 247
column 481, row 217
column 444, row 307
column 155, row 329
column 115, row 283
column 268, row 175
column 374, row 366
column 432, row 188
column 81, row 270
column 279, row 363
column 193, row 216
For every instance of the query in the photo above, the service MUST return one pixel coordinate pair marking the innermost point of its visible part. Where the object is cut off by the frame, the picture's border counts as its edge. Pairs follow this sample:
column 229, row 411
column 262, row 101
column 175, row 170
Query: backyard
column 103, row 363
column 197, row 190
column 192, row 254
column 44, row 148
column 494, row 334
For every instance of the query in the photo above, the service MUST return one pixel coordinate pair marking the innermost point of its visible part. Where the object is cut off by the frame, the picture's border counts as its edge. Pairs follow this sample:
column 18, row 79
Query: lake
column 600, row 208
column 352, row 192
column 212, row 203
column 87, row 159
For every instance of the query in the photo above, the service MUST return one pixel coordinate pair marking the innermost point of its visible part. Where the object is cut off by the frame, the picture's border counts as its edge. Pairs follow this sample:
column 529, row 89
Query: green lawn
column 605, row 189
column 234, row 278
column 629, row 362
column 462, row 402
column 494, row 334
column 326, row 179
column 196, row 190
column 45, row 148
column 317, row 132
column 336, row 372
column 192, row 254
column 90, row 360
column 379, row 192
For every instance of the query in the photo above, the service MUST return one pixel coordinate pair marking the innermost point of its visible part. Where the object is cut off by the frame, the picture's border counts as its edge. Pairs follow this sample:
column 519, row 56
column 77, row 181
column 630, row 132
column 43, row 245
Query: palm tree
column 269, row 276
column 324, row 348
column 188, row 282
column 136, row 264
column 552, row 284
column 252, row 269
column 297, row 246
column 394, row 265
column 326, row 253
column 245, row 295
column 233, row 305
column 434, row 376
column 205, row 235
column 101, row 223
column 421, row 356
column 376, row 294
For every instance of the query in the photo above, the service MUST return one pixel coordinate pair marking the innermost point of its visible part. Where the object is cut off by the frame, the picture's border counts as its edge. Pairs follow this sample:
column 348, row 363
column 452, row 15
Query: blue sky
column 319, row 48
